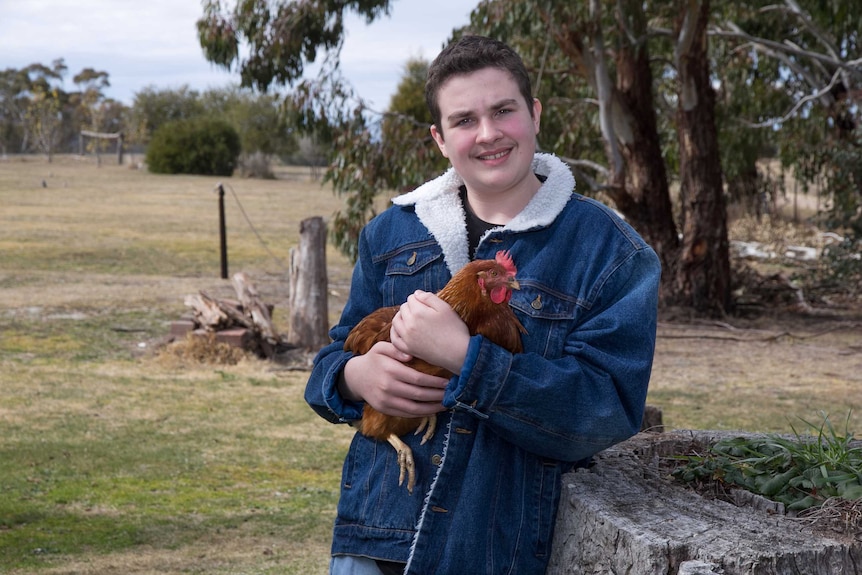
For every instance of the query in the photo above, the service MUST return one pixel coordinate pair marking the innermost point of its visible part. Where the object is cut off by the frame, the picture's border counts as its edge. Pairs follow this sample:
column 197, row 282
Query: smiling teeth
column 495, row 156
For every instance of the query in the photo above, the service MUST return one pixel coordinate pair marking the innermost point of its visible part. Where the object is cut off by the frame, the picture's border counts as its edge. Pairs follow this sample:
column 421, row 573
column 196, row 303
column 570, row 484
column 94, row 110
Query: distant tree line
column 39, row 114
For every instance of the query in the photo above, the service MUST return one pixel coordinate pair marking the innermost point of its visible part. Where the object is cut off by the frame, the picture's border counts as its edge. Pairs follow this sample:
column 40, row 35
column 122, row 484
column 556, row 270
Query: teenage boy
column 509, row 425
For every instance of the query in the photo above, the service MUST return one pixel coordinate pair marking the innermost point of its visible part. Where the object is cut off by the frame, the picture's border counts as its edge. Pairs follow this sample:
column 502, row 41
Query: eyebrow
column 455, row 116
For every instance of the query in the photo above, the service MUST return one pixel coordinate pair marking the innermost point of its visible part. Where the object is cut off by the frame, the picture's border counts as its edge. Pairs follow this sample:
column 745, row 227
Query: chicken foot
column 429, row 424
column 405, row 461
column 405, row 454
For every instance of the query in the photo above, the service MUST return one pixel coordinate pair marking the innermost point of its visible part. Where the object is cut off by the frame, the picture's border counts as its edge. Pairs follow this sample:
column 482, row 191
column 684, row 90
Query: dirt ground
column 769, row 373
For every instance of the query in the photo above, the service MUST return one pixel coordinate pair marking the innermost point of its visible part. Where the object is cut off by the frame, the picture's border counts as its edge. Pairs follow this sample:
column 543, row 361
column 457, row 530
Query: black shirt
column 476, row 227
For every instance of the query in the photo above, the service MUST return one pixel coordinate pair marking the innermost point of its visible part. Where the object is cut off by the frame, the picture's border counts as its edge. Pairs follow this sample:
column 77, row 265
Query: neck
column 500, row 208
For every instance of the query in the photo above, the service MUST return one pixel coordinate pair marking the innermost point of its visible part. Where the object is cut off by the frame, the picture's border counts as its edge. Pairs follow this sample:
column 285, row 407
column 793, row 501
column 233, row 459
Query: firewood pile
column 244, row 322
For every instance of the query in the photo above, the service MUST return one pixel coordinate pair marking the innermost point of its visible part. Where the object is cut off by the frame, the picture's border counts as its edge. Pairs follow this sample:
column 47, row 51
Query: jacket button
column 412, row 259
column 436, row 459
column 536, row 303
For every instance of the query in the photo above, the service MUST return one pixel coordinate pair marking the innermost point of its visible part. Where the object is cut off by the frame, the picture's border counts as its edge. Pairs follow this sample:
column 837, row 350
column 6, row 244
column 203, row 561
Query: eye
column 504, row 111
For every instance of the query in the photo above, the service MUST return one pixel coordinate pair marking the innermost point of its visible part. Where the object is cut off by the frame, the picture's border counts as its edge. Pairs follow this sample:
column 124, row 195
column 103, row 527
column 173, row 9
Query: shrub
column 195, row 146
column 256, row 165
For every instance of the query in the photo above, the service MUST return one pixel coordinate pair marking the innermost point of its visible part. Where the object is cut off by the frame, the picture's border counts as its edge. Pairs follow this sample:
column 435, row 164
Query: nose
column 488, row 131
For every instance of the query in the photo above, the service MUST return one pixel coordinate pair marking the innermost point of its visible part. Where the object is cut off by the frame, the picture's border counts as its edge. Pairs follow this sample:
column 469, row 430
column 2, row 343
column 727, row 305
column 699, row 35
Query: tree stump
column 624, row 515
column 309, row 312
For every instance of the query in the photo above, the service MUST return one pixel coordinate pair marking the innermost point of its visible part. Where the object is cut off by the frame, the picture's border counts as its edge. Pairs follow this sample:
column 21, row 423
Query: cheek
column 527, row 129
column 458, row 148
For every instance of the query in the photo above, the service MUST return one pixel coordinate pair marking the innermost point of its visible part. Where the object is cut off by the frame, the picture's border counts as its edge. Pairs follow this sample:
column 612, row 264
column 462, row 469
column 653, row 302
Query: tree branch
column 735, row 31
column 604, row 91
column 822, row 92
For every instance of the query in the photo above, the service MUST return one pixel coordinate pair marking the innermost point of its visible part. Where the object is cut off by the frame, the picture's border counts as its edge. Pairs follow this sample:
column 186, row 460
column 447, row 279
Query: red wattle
column 500, row 294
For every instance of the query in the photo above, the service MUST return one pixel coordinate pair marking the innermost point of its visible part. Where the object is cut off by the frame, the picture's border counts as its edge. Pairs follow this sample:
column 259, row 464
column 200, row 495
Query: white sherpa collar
column 439, row 208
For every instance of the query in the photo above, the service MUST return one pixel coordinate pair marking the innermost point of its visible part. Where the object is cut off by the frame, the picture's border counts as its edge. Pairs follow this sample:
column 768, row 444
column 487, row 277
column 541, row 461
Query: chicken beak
column 513, row 284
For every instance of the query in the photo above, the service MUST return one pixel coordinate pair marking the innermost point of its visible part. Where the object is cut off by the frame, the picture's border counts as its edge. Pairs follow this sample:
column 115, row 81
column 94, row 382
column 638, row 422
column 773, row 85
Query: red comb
column 505, row 260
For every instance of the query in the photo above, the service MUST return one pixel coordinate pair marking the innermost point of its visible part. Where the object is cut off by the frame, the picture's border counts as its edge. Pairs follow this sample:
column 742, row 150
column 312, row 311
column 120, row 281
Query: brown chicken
column 479, row 293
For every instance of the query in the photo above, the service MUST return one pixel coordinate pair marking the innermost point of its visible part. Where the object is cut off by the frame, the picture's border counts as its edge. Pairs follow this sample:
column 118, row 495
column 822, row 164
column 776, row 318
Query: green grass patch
column 104, row 462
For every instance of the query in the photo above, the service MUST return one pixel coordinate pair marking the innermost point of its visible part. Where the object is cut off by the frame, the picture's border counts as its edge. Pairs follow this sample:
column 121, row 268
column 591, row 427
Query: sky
column 153, row 43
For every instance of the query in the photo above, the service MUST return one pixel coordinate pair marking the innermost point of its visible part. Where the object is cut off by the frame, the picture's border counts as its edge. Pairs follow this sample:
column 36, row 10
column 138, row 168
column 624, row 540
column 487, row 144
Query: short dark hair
column 470, row 54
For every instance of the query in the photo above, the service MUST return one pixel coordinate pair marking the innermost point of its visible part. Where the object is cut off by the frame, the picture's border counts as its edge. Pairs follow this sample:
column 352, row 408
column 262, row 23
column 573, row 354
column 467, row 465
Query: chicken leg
column 405, row 462
column 405, row 454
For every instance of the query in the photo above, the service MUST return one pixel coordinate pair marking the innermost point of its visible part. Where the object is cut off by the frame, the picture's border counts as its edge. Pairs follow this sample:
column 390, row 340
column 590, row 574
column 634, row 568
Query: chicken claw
column 405, row 462
column 429, row 424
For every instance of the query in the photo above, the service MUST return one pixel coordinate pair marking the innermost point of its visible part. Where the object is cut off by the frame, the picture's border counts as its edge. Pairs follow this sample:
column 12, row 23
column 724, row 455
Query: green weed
column 803, row 472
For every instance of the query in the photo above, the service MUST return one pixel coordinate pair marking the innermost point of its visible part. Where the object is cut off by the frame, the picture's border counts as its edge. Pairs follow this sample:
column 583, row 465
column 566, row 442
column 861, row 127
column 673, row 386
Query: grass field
column 118, row 458
column 112, row 458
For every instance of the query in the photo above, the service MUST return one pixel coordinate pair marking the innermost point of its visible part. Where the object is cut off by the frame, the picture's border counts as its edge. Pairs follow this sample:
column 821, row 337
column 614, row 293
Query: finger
column 423, row 380
column 397, row 341
column 389, row 349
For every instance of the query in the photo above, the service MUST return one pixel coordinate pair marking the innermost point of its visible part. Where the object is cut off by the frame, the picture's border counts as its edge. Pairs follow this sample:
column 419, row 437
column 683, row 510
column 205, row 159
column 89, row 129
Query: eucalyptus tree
column 798, row 67
column 14, row 86
column 153, row 107
column 629, row 93
column 262, row 130
column 36, row 86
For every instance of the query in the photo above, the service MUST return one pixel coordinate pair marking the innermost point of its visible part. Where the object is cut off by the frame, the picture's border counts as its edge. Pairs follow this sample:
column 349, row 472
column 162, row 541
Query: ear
column 438, row 138
column 537, row 113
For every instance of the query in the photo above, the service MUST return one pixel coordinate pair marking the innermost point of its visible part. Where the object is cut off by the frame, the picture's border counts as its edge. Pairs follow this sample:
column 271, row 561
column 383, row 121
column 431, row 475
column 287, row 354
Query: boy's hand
column 428, row 328
column 381, row 379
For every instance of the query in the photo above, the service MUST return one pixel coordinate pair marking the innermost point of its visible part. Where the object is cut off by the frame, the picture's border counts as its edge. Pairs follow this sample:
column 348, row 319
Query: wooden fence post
column 309, row 310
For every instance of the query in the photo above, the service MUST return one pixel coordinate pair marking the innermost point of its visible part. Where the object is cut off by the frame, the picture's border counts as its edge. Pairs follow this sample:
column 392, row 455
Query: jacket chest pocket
column 411, row 268
column 547, row 315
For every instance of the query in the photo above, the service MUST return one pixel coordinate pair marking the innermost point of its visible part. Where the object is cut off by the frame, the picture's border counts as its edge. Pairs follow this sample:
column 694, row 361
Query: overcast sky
column 142, row 43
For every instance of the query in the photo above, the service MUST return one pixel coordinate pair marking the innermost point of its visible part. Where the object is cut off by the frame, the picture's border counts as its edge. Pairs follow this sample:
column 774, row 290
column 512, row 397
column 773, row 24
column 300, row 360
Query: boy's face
column 488, row 132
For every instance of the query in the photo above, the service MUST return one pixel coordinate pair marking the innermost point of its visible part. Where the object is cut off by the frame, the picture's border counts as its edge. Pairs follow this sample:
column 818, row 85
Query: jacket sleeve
column 591, row 396
column 321, row 391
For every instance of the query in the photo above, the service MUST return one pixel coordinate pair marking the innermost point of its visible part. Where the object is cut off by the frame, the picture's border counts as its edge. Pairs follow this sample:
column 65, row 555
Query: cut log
column 207, row 311
column 245, row 322
column 253, row 308
column 235, row 313
column 623, row 515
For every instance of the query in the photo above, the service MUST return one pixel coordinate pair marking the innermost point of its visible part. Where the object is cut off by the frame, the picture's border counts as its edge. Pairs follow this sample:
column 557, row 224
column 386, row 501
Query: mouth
column 495, row 155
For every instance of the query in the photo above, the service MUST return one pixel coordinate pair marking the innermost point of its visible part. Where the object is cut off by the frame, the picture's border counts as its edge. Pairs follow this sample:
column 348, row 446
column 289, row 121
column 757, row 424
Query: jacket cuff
column 457, row 393
column 344, row 410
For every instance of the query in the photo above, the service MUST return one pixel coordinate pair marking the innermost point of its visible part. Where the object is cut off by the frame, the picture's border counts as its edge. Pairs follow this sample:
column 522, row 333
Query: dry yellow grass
column 96, row 235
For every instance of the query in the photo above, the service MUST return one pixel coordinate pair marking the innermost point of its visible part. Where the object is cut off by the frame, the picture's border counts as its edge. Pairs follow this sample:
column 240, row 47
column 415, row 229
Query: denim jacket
column 488, row 483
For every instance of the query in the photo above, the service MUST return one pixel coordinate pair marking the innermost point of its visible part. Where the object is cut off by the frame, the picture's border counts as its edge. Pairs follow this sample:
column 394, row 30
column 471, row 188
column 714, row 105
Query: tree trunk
column 648, row 208
column 638, row 182
column 744, row 191
column 309, row 312
column 624, row 515
column 703, row 276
